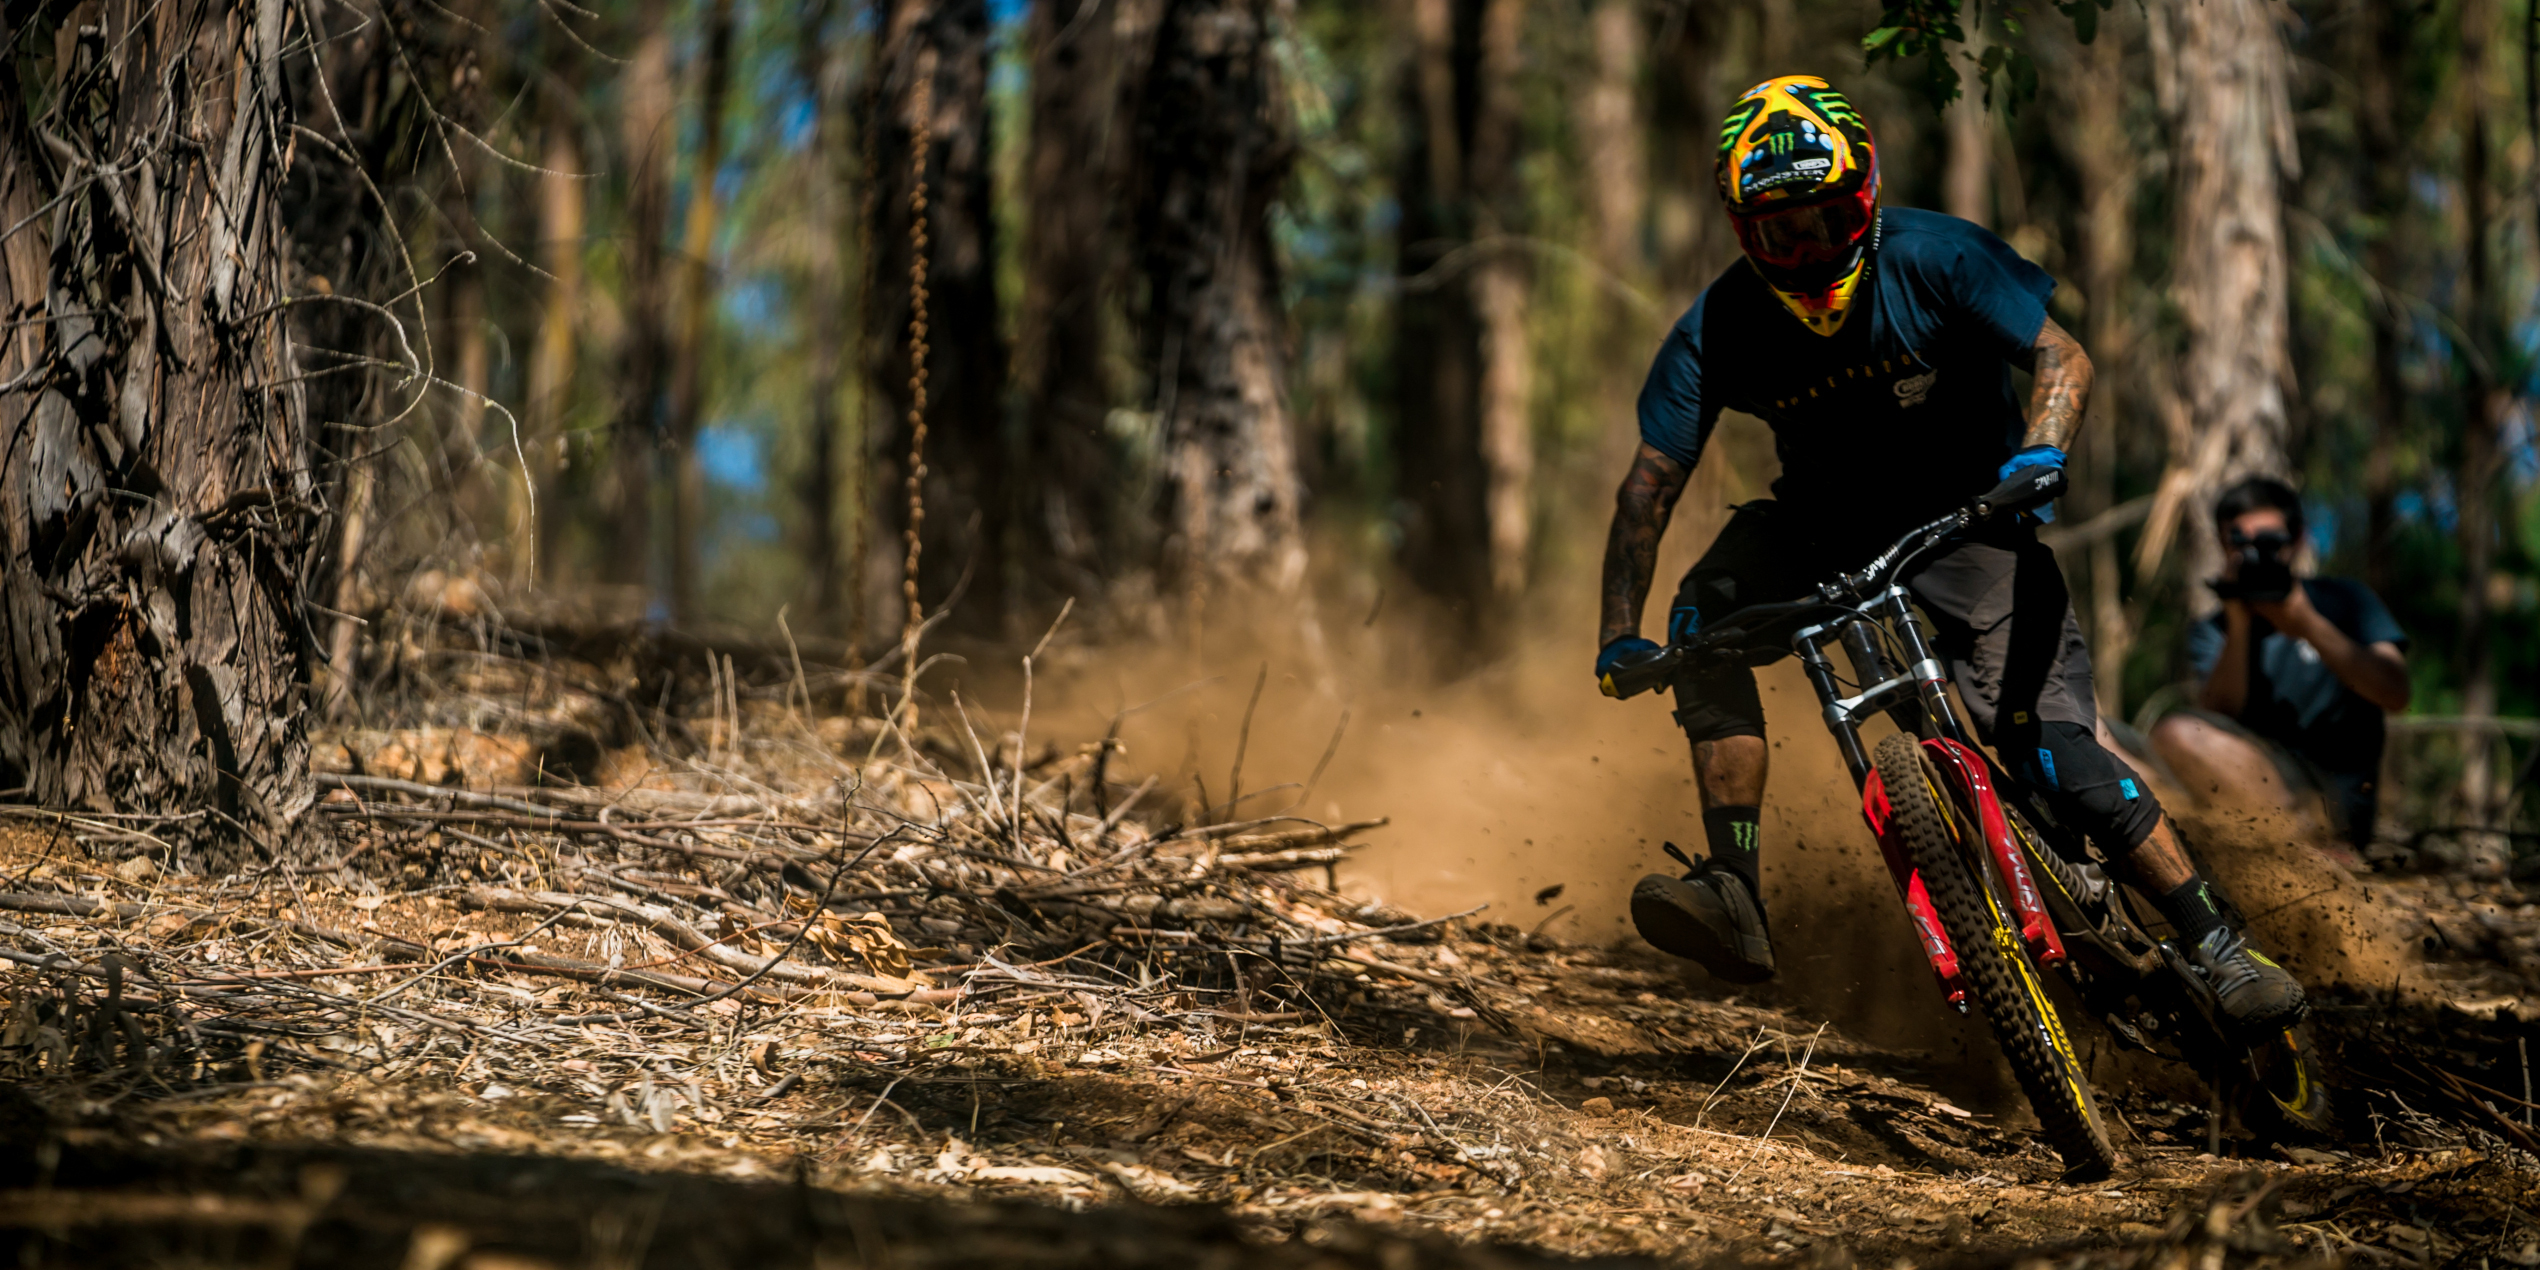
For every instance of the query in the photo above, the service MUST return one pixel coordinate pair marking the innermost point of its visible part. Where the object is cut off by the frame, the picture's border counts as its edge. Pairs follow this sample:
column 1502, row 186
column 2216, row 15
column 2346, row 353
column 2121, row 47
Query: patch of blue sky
column 2521, row 446
column 2434, row 503
column 758, row 306
column 2324, row 518
column 1383, row 215
column 733, row 456
column 752, row 526
column 795, row 114
column 2430, row 189
column 1003, row 12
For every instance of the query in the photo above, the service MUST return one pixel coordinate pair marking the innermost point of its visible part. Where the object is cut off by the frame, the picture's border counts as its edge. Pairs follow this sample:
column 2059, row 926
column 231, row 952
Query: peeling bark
column 156, row 504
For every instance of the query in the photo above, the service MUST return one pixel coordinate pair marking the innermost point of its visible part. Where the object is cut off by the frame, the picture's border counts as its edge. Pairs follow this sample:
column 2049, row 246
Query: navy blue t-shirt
column 2294, row 699
column 1904, row 413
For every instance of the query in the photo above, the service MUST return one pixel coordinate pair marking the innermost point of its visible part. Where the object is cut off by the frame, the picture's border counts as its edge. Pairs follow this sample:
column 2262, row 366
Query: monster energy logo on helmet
column 1792, row 138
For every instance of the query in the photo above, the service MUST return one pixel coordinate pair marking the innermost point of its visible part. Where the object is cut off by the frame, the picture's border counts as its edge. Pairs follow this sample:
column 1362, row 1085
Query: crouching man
column 2296, row 674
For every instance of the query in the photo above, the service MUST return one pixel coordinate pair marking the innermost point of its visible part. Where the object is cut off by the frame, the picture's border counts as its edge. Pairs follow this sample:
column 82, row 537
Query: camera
column 2265, row 576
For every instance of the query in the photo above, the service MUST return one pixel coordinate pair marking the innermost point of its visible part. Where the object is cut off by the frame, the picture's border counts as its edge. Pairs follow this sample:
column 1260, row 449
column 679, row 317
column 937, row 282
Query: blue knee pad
column 2089, row 788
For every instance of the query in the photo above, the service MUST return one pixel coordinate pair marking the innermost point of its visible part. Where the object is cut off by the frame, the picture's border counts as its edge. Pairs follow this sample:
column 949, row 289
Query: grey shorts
column 1999, row 611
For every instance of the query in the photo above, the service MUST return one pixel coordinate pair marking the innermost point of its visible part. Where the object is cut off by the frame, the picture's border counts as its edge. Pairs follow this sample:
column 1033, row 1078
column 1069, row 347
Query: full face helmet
column 1800, row 178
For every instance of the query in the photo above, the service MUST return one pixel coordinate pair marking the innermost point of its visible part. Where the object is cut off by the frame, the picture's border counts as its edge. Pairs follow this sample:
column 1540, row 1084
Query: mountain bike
column 1998, row 890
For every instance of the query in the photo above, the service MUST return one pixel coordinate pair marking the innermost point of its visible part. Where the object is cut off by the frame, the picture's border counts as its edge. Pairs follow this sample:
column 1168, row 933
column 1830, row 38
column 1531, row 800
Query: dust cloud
column 1516, row 779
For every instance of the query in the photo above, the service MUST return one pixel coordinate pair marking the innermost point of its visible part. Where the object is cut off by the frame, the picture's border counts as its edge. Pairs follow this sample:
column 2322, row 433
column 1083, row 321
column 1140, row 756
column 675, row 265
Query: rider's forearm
column 2227, row 689
column 1642, row 507
column 2062, row 388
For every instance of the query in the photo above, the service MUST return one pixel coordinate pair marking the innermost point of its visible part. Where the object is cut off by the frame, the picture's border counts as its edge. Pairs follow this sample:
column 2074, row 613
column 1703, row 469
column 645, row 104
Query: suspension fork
column 1842, row 718
column 1931, row 679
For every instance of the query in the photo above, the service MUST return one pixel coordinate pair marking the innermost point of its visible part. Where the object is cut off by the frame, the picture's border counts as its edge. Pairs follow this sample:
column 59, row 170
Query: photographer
column 2297, row 672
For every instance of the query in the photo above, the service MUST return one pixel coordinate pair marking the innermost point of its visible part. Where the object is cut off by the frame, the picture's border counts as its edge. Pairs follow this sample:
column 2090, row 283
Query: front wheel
column 1991, row 957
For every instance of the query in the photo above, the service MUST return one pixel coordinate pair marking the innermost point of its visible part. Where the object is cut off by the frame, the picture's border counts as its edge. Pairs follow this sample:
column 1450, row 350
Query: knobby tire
column 1996, row 966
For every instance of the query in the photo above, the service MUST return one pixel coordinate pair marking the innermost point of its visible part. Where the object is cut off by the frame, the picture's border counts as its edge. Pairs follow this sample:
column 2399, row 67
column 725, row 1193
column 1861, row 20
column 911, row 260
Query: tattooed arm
column 1642, row 508
column 2062, row 389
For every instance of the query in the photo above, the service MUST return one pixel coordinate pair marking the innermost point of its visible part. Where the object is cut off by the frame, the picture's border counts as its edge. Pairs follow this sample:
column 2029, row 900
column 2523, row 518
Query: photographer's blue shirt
column 2294, row 699
column 1904, row 413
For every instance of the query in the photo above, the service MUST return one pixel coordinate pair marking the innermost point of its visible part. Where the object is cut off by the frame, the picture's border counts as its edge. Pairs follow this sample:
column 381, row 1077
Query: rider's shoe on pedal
column 2254, row 992
column 1710, row 915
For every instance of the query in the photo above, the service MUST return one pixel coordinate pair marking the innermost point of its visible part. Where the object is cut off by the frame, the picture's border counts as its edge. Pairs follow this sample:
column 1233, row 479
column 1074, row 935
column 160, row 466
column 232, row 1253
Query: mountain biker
column 1878, row 344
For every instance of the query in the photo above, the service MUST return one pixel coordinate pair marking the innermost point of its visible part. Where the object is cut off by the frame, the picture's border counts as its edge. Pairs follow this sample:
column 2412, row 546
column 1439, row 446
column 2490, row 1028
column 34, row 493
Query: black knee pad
column 2090, row 789
column 1718, row 702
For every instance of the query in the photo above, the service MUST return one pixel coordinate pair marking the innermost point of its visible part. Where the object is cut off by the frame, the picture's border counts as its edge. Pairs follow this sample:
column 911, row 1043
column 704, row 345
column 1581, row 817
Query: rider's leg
column 1730, row 772
column 1714, row 914
column 2004, row 619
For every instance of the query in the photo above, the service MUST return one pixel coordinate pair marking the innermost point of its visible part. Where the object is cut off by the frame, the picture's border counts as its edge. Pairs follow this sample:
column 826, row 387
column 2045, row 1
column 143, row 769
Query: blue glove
column 1627, row 649
column 1683, row 623
column 2034, row 456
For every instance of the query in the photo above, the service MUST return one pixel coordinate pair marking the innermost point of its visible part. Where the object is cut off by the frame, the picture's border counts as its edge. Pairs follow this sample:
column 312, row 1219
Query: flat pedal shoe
column 1710, row 916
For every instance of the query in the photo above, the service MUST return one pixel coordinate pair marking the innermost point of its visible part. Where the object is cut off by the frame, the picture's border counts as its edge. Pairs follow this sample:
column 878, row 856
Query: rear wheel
column 2287, row 1099
column 1999, row 975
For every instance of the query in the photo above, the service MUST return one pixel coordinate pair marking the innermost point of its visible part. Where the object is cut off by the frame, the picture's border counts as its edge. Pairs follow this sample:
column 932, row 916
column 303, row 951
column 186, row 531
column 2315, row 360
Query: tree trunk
column 1437, row 458
column 2485, row 404
column 2106, row 162
column 1689, row 239
column 1967, row 182
column 1614, row 123
column 964, row 477
column 1464, row 452
column 156, row 507
column 1085, row 55
column 538, row 530
column 1500, row 285
column 2379, row 48
column 1612, row 127
column 1213, row 150
column 696, row 297
column 833, row 578
column 2234, row 145
column 645, row 126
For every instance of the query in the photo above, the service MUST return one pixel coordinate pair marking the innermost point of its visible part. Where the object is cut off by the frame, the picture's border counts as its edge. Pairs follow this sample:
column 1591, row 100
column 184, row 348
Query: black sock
column 2191, row 908
column 1732, row 833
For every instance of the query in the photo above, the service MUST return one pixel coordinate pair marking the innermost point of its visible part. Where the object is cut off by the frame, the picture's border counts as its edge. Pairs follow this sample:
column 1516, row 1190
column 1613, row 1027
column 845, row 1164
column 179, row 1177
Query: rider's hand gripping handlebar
column 1637, row 672
column 2023, row 490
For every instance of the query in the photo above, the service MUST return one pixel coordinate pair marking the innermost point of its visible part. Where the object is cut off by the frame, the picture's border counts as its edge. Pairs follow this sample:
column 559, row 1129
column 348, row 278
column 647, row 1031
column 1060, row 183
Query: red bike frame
column 1968, row 770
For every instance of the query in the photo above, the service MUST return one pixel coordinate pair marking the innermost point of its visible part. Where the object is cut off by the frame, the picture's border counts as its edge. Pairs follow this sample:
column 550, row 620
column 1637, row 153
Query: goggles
column 1812, row 234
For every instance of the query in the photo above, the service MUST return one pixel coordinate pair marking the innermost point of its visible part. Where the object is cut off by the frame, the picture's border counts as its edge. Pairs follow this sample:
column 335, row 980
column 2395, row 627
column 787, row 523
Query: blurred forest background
column 1328, row 310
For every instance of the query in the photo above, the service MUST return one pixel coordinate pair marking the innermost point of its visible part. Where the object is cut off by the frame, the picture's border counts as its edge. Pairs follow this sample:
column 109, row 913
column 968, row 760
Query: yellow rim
column 2301, row 1077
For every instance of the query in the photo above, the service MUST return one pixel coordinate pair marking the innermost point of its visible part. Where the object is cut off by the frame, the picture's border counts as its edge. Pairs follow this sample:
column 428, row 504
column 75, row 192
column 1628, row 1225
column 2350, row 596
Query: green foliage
column 1929, row 28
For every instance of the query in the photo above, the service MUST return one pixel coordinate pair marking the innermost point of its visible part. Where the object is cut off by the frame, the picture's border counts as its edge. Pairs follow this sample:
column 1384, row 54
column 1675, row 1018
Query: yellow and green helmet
column 1800, row 178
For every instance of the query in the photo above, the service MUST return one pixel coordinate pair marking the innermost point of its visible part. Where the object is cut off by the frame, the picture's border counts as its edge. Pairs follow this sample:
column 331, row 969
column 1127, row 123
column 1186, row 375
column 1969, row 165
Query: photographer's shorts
column 2000, row 617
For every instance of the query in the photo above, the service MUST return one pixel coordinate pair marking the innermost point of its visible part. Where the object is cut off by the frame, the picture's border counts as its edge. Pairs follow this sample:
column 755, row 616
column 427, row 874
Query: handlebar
column 2025, row 490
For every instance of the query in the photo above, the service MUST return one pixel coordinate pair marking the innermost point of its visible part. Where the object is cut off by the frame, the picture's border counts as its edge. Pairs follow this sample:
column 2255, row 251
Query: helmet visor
column 1814, row 234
